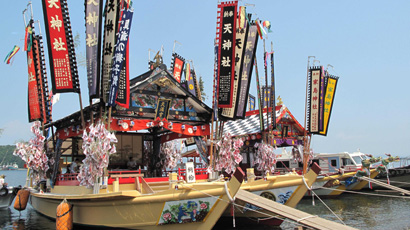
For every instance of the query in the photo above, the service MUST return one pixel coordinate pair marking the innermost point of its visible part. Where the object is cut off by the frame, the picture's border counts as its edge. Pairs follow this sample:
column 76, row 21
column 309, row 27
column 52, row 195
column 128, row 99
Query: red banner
column 34, row 111
column 63, row 65
column 39, row 79
column 178, row 66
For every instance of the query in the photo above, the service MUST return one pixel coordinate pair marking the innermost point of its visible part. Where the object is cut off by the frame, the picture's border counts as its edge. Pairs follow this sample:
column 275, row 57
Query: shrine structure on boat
column 160, row 110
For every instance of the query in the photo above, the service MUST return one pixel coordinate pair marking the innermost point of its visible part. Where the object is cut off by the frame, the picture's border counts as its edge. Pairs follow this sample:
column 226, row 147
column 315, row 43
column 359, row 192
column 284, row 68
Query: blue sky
column 366, row 41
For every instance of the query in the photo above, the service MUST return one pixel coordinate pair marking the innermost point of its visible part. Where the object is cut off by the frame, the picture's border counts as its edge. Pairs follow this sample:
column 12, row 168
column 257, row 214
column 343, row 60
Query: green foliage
column 7, row 157
column 202, row 89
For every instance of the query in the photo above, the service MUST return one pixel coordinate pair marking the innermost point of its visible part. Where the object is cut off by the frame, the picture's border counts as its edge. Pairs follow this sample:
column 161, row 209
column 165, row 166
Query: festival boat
column 181, row 206
column 339, row 171
column 149, row 114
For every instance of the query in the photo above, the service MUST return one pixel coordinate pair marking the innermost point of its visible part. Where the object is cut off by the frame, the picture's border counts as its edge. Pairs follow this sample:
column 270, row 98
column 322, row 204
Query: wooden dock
column 404, row 191
column 298, row 216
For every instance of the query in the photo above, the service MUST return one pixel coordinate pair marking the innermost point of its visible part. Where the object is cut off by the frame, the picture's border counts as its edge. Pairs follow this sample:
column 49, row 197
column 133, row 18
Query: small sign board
column 190, row 172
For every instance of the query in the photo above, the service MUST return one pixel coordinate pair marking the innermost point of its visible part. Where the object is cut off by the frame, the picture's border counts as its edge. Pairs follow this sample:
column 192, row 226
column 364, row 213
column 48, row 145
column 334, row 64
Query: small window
column 282, row 164
column 347, row 161
column 333, row 163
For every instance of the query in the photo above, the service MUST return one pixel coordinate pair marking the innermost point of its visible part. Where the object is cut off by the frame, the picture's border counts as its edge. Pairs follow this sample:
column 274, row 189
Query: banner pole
column 306, row 142
column 109, row 118
column 261, row 122
column 272, row 94
column 81, row 110
column 265, row 93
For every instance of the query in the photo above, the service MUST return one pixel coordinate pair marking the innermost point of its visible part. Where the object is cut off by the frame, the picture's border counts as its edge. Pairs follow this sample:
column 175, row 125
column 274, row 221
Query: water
column 359, row 211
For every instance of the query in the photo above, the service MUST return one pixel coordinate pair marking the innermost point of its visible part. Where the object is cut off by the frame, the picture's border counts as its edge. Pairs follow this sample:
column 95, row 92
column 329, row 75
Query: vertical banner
column 119, row 54
column 34, row 110
column 245, row 78
column 314, row 99
column 177, row 67
column 266, row 92
column 322, row 98
column 93, row 18
column 162, row 109
column 63, row 64
column 190, row 79
column 110, row 31
column 41, row 76
column 329, row 99
column 272, row 90
column 241, row 35
column 123, row 93
column 226, row 38
column 214, row 91
column 252, row 102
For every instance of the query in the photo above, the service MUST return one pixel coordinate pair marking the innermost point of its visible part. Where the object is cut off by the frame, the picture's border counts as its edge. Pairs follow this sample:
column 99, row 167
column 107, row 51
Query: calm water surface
column 359, row 211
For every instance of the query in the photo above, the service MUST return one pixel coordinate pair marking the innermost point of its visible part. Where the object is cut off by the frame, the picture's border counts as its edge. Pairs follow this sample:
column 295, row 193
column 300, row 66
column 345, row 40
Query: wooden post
column 262, row 125
column 109, row 118
column 306, row 142
column 81, row 110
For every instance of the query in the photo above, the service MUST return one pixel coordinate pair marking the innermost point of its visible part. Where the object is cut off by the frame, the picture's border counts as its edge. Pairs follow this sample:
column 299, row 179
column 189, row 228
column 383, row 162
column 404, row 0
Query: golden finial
column 279, row 101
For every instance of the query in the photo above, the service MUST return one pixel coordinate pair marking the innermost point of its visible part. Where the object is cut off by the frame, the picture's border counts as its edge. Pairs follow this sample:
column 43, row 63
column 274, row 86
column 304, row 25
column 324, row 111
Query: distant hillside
column 7, row 157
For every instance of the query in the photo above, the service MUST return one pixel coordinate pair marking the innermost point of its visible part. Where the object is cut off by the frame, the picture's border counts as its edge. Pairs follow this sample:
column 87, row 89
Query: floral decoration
column 34, row 154
column 265, row 157
column 97, row 148
column 229, row 155
column 170, row 155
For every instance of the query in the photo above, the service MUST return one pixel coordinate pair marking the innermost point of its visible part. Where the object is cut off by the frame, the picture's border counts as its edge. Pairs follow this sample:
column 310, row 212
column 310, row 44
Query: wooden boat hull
column 323, row 186
column 190, row 206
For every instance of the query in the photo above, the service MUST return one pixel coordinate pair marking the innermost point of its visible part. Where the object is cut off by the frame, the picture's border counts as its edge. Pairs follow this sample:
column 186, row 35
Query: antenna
column 39, row 28
column 24, row 17
column 175, row 41
column 329, row 65
column 314, row 60
column 149, row 54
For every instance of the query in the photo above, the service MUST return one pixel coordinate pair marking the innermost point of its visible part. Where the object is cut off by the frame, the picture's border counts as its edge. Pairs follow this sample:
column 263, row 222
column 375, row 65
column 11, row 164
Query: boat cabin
column 328, row 162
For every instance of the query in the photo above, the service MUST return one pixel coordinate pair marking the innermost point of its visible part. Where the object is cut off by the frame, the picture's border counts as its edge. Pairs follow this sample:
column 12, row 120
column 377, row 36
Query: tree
column 202, row 89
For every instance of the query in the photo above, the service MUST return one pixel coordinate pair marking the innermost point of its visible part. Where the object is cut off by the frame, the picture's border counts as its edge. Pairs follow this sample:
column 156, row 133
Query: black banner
column 226, row 64
column 245, row 79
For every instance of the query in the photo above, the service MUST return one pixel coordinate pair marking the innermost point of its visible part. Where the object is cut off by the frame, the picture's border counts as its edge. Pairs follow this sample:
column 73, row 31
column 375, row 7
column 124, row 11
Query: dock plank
column 290, row 213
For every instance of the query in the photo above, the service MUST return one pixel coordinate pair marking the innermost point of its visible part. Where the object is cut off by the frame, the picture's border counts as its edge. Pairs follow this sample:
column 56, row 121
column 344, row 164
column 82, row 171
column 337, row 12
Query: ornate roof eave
column 162, row 71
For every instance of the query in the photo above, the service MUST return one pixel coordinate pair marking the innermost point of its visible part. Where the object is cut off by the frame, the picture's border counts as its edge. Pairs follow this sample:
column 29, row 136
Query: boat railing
column 68, row 179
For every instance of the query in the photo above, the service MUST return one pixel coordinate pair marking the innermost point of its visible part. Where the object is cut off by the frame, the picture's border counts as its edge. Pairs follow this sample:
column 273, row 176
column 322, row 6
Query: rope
column 306, row 217
column 69, row 210
column 313, row 202
column 396, row 182
column 328, row 208
column 368, row 194
column 227, row 192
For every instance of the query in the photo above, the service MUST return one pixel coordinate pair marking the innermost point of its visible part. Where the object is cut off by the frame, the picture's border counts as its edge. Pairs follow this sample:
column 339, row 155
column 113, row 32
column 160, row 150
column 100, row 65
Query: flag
column 242, row 17
column 259, row 28
column 267, row 25
column 63, row 63
column 119, row 54
column 226, row 39
column 93, row 16
column 28, row 38
column 11, row 54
